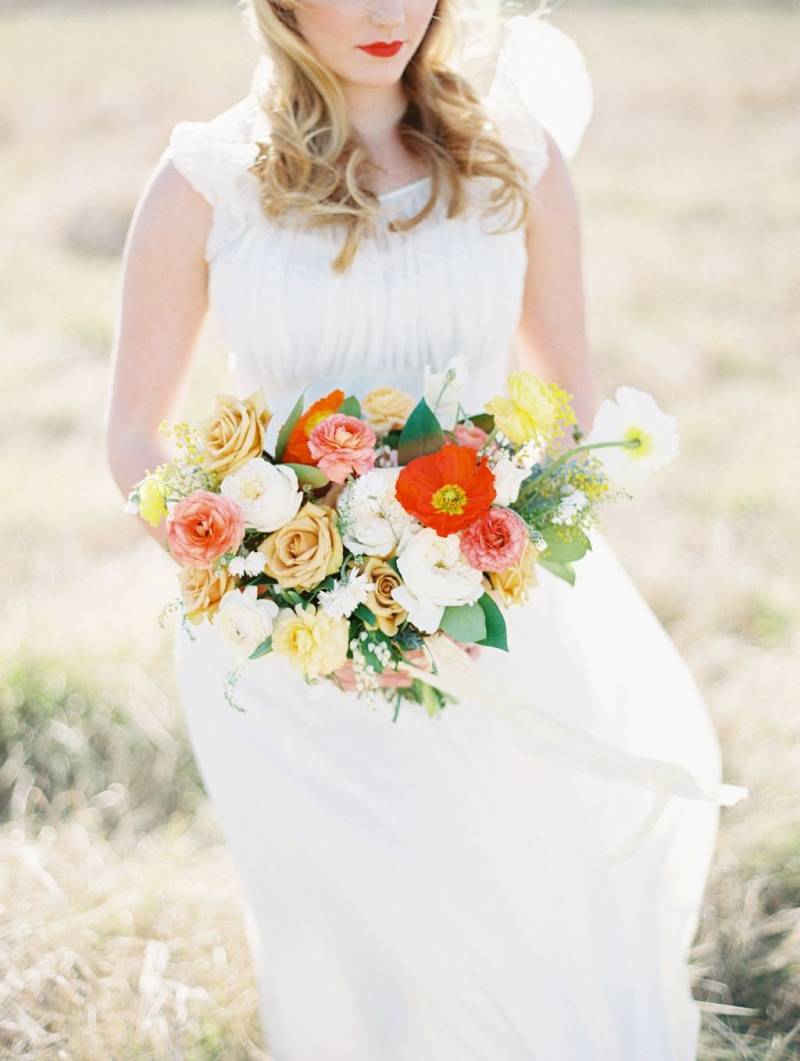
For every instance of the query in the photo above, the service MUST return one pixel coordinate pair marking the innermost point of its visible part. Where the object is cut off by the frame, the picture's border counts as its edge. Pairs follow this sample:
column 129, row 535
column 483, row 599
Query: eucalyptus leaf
column 558, row 568
column 465, row 623
column 565, row 551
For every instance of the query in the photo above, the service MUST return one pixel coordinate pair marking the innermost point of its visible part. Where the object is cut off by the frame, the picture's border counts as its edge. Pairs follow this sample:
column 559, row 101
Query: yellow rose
column 202, row 591
column 234, row 433
column 152, row 502
column 312, row 641
column 305, row 550
column 387, row 409
column 380, row 602
column 533, row 409
column 513, row 585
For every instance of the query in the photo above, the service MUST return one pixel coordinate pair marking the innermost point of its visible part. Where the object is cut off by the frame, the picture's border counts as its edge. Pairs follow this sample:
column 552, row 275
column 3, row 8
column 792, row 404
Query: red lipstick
column 383, row 49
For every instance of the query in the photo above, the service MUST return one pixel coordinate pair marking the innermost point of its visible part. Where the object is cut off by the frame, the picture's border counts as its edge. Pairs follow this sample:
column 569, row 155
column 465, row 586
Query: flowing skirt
column 427, row 890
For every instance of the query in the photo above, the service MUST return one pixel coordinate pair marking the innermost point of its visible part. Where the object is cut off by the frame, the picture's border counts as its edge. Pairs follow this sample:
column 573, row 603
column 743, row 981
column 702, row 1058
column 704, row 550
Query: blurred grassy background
column 120, row 930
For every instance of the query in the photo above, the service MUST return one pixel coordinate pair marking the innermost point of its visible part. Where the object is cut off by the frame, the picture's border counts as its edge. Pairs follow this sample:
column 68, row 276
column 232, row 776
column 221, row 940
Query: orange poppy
column 297, row 451
column 447, row 490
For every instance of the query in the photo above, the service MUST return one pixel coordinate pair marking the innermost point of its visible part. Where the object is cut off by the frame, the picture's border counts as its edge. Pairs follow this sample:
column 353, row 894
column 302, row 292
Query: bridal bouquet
column 376, row 526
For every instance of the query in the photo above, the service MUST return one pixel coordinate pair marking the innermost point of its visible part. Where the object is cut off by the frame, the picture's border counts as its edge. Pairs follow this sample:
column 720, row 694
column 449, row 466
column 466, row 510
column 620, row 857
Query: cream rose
column 269, row 495
column 312, row 641
column 387, row 611
column 387, row 409
column 305, row 550
column 513, row 585
column 202, row 591
column 371, row 518
column 235, row 431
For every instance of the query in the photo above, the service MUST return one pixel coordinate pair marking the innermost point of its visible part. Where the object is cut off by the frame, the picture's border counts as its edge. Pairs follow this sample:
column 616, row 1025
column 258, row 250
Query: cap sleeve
column 214, row 156
column 540, row 83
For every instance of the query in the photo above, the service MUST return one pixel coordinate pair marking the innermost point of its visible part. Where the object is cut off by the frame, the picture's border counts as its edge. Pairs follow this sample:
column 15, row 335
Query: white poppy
column 442, row 390
column 633, row 415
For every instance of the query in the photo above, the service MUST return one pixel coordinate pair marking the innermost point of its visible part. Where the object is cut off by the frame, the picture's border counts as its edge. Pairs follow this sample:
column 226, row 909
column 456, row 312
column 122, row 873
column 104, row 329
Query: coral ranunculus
column 496, row 541
column 297, row 451
column 202, row 527
column 342, row 445
column 446, row 490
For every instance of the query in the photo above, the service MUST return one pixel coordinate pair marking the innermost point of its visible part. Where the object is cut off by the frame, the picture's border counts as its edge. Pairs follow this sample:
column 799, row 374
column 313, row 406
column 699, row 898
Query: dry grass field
column 120, row 930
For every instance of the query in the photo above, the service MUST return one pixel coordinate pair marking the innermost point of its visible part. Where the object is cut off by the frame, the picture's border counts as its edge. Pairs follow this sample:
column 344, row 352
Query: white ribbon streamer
column 547, row 738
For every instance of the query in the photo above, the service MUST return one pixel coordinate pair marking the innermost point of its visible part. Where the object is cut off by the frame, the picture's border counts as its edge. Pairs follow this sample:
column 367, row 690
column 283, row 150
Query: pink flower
column 342, row 444
column 495, row 541
column 471, row 437
column 202, row 527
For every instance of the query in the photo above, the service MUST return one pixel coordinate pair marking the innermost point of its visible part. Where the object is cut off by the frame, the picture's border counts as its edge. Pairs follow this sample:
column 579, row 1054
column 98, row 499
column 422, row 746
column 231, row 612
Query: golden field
column 120, row 931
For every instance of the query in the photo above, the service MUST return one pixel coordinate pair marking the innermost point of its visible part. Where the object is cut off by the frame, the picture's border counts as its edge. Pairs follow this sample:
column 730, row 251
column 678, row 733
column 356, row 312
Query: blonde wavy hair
column 314, row 161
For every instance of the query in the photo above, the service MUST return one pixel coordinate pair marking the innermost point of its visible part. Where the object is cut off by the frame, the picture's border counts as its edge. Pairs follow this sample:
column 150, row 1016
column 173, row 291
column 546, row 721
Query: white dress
column 427, row 889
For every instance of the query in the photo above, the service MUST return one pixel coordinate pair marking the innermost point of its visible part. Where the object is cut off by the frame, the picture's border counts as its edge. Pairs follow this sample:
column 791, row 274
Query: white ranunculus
column 371, row 519
column 633, row 414
column 508, row 478
column 442, row 390
column 244, row 620
column 269, row 495
column 435, row 576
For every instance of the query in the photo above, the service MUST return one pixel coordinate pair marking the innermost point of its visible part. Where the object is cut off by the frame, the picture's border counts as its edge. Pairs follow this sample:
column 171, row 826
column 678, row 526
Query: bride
column 392, row 193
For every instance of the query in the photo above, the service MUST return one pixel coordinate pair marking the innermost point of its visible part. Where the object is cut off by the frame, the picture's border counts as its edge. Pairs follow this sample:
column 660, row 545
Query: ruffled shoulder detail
column 540, row 82
column 214, row 156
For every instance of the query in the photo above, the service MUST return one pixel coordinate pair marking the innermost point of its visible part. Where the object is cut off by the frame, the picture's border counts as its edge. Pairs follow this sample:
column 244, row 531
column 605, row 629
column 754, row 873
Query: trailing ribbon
column 455, row 673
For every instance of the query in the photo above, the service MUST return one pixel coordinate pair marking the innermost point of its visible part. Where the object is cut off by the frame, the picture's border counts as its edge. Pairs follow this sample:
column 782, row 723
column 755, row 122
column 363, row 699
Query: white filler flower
column 268, row 494
column 244, row 620
column 442, row 390
column 633, row 415
column 371, row 519
column 435, row 576
column 341, row 601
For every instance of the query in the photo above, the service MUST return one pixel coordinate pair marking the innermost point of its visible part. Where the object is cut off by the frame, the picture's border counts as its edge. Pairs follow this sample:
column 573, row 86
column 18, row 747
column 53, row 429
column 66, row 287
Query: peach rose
column 342, row 445
column 305, row 550
column 471, row 437
column 234, row 433
column 380, row 602
column 202, row 527
column 513, row 585
column 202, row 590
column 387, row 409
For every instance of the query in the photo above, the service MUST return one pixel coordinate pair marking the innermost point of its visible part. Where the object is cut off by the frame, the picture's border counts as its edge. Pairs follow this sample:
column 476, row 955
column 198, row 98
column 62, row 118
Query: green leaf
column 485, row 421
column 422, row 434
column 576, row 544
column 288, row 427
column 262, row 650
column 350, row 406
column 465, row 623
column 495, row 625
column 562, row 570
column 307, row 473
column 365, row 615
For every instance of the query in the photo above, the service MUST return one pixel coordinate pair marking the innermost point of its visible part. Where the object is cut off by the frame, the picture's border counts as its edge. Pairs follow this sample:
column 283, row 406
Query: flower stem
column 630, row 444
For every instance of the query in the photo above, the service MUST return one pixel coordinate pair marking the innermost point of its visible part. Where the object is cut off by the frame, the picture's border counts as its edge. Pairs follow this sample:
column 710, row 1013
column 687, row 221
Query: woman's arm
column 164, row 301
column 551, row 334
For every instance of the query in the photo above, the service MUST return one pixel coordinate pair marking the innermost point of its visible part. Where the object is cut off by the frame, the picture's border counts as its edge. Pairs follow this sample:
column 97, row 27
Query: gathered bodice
column 449, row 286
